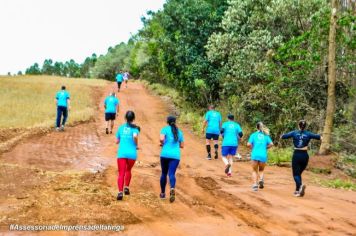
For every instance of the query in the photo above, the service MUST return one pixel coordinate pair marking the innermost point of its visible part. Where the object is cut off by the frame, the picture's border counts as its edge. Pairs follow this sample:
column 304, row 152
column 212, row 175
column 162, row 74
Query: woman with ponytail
column 127, row 137
column 171, row 140
column 301, row 139
column 259, row 141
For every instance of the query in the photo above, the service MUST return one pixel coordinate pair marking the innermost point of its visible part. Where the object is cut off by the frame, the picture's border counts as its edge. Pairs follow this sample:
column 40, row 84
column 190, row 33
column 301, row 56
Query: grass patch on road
column 29, row 101
column 338, row 183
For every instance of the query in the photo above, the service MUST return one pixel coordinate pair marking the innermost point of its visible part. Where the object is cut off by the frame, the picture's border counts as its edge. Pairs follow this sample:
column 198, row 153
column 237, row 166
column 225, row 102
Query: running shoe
column 228, row 175
column 255, row 187
column 208, row 157
column 172, row 195
column 110, row 131
column 227, row 168
column 127, row 191
column 107, row 131
column 261, row 184
column 57, row 129
column 62, row 128
column 162, row 196
column 120, row 196
column 216, row 155
column 302, row 190
column 296, row 194
column 238, row 157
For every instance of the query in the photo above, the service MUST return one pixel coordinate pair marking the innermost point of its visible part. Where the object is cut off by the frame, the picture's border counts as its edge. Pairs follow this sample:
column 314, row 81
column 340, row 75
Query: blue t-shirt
column 231, row 132
column 259, row 142
column 119, row 77
column 62, row 97
column 111, row 102
column 301, row 139
column 170, row 148
column 127, row 148
column 213, row 118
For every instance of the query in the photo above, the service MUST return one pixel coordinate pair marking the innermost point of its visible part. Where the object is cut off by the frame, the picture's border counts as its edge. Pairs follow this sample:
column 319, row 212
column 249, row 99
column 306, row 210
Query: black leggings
column 299, row 163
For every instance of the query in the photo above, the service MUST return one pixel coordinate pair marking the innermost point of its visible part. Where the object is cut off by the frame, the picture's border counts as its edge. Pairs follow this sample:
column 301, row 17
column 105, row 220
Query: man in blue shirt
column 111, row 105
column 231, row 132
column 63, row 106
column 212, row 122
column 119, row 79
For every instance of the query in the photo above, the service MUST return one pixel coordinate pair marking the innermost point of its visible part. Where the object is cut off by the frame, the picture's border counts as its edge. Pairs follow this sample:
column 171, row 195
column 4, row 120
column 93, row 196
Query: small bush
column 339, row 183
column 277, row 156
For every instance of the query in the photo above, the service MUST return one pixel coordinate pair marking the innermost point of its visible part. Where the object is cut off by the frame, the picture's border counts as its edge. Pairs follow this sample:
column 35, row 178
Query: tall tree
column 330, row 109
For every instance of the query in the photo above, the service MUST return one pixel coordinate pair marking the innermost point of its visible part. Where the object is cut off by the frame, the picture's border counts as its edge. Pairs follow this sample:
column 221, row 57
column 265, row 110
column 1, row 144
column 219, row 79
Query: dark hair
column 230, row 116
column 171, row 120
column 63, row 87
column 302, row 124
column 130, row 117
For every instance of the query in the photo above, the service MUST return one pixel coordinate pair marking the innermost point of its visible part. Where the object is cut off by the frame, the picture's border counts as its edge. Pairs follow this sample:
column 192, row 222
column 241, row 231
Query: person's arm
column 161, row 139
column 204, row 125
column 181, row 140
column 270, row 145
column 315, row 136
column 249, row 145
column 135, row 136
column 250, row 141
column 68, row 102
column 287, row 135
column 181, row 144
column 117, row 140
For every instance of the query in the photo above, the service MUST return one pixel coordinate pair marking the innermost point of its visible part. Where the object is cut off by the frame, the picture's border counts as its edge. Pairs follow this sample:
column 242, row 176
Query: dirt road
column 70, row 178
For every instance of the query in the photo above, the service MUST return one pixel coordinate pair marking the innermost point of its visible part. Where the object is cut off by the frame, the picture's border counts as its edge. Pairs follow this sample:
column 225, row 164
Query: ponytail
column 130, row 117
column 261, row 127
column 171, row 120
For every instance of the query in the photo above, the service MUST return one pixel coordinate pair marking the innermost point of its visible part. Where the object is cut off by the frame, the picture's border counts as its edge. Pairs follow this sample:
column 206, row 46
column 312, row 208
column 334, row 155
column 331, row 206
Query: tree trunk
column 330, row 109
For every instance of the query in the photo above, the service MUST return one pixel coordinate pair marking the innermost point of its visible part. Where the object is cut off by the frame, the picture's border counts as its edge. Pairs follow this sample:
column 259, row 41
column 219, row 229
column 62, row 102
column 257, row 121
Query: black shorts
column 212, row 136
column 110, row 116
column 119, row 84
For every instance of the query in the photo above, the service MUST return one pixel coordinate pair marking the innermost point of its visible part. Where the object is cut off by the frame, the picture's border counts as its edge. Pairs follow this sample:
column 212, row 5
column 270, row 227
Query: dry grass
column 29, row 101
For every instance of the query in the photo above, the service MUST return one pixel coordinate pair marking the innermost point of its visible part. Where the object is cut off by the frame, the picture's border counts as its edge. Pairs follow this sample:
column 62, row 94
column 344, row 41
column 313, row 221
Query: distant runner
column 259, row 141
column 301, row 139
column 63, row 106
column 171, row 139
column 127, row 137
column 119, row 79
column 231, row 133
column 111, row 105
column 126, row 78
column 213, row 123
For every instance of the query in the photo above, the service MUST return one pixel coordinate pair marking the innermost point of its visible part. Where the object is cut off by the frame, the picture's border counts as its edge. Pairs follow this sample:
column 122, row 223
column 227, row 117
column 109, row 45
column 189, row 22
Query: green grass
column 29, row 101
column 325, row 171
column 347, row 163
column 277, row 156
column 339, row 183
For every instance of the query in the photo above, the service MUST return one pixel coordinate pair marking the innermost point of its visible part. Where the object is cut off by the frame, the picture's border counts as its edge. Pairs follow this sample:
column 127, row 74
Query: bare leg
column 255, row 172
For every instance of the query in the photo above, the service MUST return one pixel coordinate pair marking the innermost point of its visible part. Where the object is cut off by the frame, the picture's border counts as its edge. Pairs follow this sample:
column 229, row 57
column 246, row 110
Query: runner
column 126, row 78
column 171, row 139
column 213, row 123
column 127, row 136
column 231, row 133
column 119, row 78
column 259, row 141
column 111, row 109
column 301, row 139
column 63, row 106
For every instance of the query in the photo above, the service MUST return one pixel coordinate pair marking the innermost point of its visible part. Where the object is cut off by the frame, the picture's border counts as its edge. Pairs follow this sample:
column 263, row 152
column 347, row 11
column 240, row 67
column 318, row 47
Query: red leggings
column 124, row 166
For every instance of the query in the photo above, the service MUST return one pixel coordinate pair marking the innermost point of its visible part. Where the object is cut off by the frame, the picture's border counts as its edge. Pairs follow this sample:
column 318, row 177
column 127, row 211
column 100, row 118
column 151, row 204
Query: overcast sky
column 33, row 30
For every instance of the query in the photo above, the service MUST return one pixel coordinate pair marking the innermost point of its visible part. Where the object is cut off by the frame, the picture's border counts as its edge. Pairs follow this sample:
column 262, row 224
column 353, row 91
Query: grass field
column 29, row 101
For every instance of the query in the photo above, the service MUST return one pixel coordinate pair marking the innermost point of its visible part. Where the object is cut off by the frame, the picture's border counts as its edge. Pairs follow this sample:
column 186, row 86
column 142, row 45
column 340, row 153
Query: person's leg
column 164, row 172
column 216, row 146
column 303, row 164
column 129, row 164
column 208, row 148
column 224, row 154
column 261, row 168
column 65, row 116
column 229, row 158
column 59, row 116
column 232, row 153
column 296, row 167
column 172, row 167
column 121, row 163
column 112, row 126
column 254, row 175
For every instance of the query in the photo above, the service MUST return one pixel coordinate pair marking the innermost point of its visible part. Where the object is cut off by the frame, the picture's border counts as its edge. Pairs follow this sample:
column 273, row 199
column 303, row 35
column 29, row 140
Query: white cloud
column 33, row 30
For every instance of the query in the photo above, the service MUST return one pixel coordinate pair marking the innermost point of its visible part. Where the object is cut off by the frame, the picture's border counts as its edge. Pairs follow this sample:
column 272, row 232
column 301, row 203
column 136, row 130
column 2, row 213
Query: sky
column 34, row 30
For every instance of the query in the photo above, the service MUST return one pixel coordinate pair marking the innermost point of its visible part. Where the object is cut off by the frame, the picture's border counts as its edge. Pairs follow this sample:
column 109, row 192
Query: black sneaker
column 107, row 131
column 127, row 191
column 172, row 195
column 216, row 155
column 120, row 196
column 302, row 190
column 162, row 196
column 227, row 168
column 208, row 157
column 261, row 184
